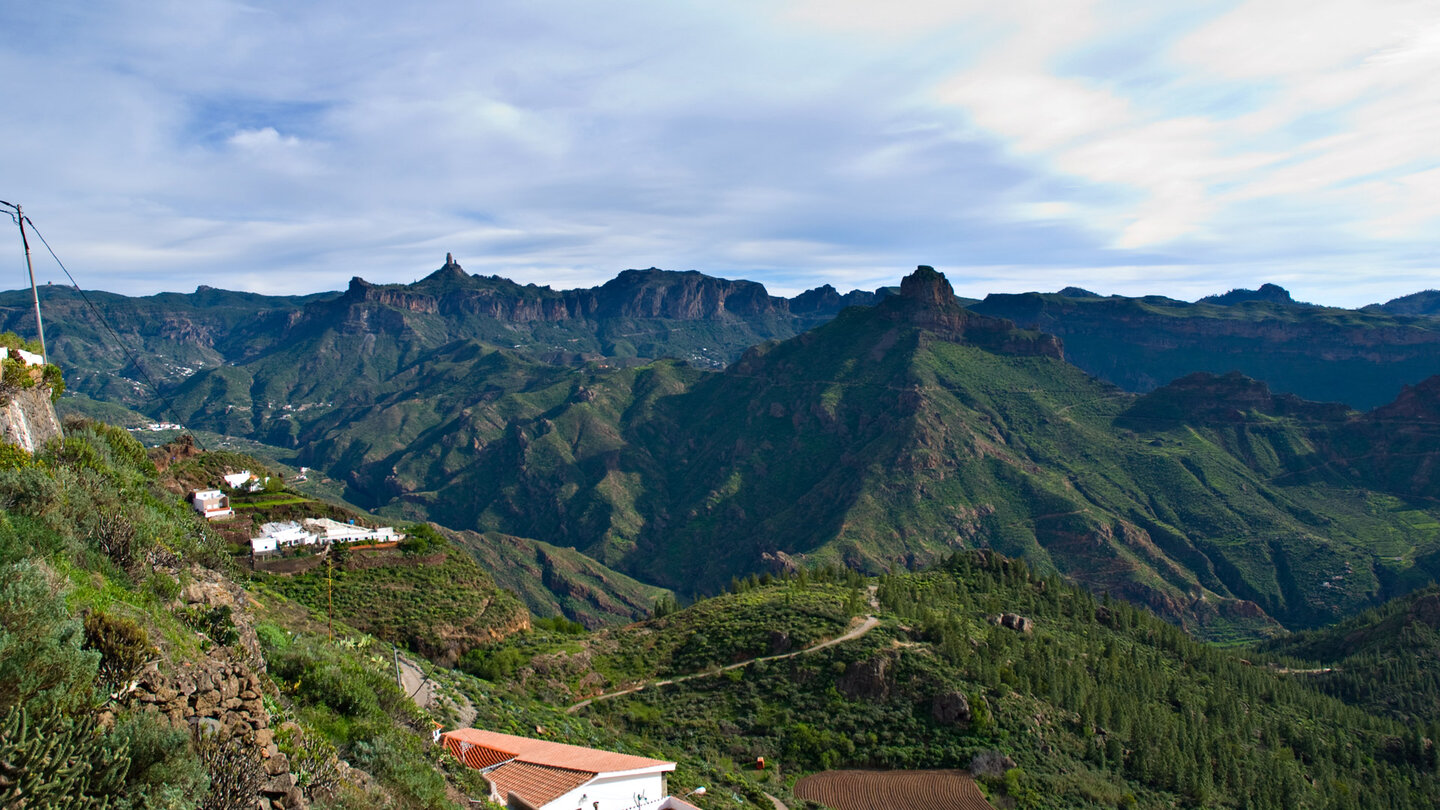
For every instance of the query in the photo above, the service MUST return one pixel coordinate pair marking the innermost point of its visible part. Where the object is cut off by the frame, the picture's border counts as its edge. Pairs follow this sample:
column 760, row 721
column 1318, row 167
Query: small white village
column 277, row 536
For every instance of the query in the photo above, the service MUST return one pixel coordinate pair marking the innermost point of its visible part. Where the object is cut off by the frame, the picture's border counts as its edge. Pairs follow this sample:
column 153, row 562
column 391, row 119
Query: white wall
column 613, row 793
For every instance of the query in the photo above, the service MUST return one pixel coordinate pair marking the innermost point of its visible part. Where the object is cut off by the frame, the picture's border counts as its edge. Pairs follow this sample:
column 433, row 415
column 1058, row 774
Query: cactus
column 56, row 761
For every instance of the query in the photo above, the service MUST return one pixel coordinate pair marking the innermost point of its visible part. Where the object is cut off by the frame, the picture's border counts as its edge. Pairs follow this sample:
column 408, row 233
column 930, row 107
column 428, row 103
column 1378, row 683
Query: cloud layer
column 1123, row 147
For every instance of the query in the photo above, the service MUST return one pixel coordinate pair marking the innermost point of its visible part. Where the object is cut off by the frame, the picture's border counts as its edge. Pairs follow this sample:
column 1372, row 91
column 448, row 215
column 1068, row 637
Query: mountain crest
column 928, row 301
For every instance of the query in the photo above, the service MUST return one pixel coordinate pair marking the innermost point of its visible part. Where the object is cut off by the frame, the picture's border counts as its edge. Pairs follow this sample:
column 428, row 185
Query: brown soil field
column 893, row 790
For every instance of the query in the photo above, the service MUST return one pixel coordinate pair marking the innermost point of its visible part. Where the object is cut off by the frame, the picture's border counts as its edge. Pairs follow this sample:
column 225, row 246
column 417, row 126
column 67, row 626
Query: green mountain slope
column 1384, row 659
column 1086, row 703
column 899, row 433
column 555, row 581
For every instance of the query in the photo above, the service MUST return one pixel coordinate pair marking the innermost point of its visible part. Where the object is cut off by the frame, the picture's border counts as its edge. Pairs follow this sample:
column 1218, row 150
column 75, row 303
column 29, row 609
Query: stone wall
column 222, row 694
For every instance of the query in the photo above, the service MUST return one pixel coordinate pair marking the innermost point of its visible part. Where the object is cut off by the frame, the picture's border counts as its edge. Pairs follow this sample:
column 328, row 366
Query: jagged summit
column 928, row 286
column 928, row 301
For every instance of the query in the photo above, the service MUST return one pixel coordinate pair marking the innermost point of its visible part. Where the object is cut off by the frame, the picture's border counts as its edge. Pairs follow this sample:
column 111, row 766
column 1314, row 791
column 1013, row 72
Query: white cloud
column 796, row 143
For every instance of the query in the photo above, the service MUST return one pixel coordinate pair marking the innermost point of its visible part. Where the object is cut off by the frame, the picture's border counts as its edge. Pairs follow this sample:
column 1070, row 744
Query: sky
column 1181, row 149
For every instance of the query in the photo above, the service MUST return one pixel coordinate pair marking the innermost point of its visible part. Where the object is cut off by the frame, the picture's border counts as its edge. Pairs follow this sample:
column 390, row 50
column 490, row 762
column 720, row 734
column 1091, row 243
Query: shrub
column 123, row 646
column 494, row 665
column 236, row 774
column 217, row 622
column 313, row 760
column 54, row 380
column 164, row 770
column 560, row 624
column 13, row 457
column 421, row 539
column 41, row 662
column 164, row 586
column 27, row 489
column 16, row 374
column 112, row 533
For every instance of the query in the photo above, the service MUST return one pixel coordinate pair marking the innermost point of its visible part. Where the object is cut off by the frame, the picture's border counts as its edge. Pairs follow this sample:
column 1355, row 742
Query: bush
column 560, row 624
column 236, row 774
column 123, row 646
column 217, row 622
column 41, row 662
column 421, row 539
column 54, row 380
column 496, row 665
column 164, row 770
column 13, row 457
column 27, row 489
column 16, row 374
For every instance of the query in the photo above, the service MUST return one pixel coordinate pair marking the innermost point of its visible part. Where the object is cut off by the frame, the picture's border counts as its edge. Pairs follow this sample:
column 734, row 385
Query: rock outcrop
column 27, row 418
column 927, row 300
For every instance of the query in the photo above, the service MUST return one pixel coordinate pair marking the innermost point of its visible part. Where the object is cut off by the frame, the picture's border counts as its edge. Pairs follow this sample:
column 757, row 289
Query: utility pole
column 330, row 593
column 19, row 217
column 34, row 291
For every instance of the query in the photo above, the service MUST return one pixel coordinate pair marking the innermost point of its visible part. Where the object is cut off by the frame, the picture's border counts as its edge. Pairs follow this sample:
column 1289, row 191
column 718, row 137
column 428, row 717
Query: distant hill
column 1426, row 303
column 1360, row 357
column 1268, row 293
column 1384, row 659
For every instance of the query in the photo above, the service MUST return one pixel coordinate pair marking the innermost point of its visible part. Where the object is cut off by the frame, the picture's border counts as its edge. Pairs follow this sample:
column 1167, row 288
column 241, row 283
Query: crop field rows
column 887, row 790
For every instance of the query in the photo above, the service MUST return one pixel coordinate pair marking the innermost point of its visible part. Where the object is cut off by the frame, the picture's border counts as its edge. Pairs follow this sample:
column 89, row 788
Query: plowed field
column 893, row 790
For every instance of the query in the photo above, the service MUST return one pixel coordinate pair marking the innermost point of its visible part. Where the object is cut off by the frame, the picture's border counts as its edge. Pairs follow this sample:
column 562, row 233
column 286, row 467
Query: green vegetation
column 1381, row 659
column 555, row 581
column 94, row 551
column 439, row 609
column 1101, row 704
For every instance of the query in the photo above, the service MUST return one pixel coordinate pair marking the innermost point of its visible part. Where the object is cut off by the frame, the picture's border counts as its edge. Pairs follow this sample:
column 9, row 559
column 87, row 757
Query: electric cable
column 134, row 360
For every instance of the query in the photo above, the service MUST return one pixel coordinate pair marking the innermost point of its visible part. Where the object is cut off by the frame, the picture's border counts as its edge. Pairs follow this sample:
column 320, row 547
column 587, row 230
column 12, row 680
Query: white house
column 212, row 503
column 236, row 480
column 333, row 531
column 281, row 534
column 542, row 775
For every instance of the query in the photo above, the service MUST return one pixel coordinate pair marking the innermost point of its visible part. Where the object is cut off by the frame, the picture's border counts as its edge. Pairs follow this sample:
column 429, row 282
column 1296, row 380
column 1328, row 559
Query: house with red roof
column 530, row 774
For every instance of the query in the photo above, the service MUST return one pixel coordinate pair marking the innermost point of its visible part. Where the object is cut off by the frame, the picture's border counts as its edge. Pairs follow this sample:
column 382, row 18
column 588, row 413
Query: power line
column 134, row 360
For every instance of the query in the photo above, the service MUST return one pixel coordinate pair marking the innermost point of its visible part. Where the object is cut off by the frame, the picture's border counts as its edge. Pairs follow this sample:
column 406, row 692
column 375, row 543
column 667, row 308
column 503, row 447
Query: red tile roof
column 501, row 747
column 478, row 757
column 537, row 784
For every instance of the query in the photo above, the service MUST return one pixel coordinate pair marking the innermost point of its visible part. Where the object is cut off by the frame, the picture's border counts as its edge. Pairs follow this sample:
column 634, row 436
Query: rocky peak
column 928, row 286
column 928, row 301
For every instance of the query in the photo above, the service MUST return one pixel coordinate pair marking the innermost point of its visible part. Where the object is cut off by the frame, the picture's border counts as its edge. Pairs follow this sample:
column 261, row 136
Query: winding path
column 850, row 635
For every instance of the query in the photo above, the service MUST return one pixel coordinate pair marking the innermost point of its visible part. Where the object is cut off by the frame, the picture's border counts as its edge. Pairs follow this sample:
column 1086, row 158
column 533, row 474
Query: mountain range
column 872, row 429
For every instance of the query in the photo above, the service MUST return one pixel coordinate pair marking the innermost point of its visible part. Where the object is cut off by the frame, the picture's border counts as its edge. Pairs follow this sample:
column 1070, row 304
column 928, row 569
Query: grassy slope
column 555, row 581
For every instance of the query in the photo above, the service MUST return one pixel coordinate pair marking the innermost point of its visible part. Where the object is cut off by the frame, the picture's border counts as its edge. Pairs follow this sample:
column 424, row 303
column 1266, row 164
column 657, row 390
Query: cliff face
column 27, row 418
column 649, row 293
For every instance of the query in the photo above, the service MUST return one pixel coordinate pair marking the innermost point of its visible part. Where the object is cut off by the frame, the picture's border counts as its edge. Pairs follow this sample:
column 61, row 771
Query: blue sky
column 1133, row 148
